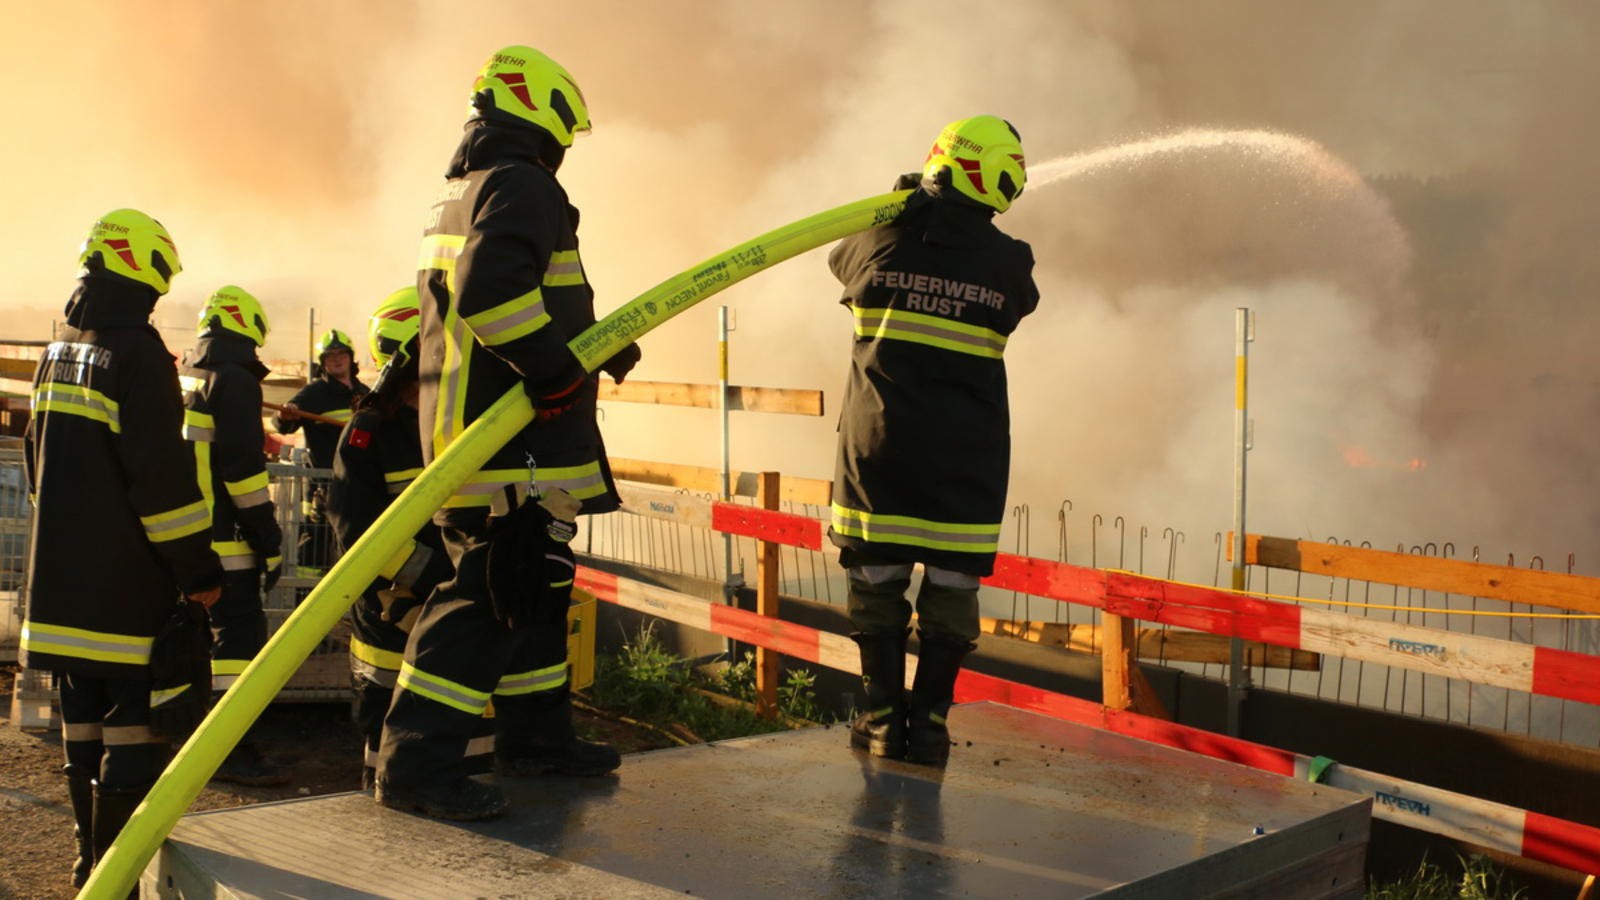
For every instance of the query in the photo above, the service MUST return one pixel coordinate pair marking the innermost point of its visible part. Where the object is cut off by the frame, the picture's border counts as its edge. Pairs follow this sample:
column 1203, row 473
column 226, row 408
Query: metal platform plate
column 1030, row 806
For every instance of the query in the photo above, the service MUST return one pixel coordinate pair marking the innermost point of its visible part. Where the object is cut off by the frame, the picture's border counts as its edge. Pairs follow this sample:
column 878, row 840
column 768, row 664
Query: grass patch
column 648, row 682
column 1477, row 880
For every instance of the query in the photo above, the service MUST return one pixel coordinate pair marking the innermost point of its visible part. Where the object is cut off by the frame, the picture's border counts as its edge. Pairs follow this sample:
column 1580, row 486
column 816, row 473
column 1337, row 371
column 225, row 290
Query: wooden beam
column 17, row 369
column 706, row 396
column 699, row 478
column 1429, row 573
column 767, row 605
column 1162, row 644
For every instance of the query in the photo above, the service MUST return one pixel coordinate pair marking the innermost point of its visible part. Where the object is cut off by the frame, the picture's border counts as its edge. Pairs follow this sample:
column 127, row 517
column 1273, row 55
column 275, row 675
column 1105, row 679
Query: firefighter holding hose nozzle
column 924, row 449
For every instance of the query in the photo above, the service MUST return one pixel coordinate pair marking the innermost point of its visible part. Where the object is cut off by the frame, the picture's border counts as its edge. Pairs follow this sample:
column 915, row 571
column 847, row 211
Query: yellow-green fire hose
column 195, row 763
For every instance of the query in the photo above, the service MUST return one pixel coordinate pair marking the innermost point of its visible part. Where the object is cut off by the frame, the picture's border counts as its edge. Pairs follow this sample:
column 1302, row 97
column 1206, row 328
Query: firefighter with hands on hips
column 379, row 454
column 502, row 289
column 331, row 393
column 924, row 437
column 221, row 382
column 120, row 529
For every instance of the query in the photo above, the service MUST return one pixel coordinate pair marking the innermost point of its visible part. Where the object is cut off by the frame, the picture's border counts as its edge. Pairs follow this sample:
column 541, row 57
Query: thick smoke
column 1404, row 193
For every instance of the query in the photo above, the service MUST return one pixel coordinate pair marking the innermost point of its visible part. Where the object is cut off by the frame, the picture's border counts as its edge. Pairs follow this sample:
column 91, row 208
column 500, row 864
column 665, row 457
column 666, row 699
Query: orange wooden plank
column 1430, row 573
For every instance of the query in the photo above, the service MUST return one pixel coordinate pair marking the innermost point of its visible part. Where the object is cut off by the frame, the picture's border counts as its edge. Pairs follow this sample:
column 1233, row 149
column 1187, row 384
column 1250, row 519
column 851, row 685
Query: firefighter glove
column 400, row 607
column 622, row 362
column 271, row 570
column 180, row 672
column 530, row 570
column 559, row 393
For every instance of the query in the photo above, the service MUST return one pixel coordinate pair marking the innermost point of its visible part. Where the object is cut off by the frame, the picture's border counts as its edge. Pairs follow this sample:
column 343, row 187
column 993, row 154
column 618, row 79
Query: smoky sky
column 1404, row 192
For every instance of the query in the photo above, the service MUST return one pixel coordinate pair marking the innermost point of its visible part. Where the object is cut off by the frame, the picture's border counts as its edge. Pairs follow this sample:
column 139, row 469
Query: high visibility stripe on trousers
column 474, row 702
column 911, row 531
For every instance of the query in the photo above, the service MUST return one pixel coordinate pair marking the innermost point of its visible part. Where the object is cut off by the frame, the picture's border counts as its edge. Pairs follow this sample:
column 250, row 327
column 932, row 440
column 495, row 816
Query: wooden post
column 767, row 604
column 1117, row 660
column 1123, row 685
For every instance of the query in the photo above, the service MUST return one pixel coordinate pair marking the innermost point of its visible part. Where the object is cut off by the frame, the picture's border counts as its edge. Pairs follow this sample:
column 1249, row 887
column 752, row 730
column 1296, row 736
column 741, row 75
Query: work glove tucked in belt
column 531, row 566
column 180, row 672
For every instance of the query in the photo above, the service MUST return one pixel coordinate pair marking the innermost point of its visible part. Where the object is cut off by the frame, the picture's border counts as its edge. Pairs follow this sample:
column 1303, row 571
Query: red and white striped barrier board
column 1488, row 661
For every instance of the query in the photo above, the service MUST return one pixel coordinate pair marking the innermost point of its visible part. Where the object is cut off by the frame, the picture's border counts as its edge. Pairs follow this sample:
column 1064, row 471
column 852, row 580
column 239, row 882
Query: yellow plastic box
column 580, row 639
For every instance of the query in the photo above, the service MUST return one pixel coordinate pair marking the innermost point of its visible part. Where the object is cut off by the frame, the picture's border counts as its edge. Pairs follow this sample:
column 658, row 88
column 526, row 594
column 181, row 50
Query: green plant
column 1479, row 880
column 647, row 681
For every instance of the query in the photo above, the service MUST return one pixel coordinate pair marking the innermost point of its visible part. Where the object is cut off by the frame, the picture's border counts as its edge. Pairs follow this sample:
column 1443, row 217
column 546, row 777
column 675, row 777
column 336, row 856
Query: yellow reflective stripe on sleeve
column 450, row 409
column 54, row 397
column 441, row 690
column 565, row 269
column 397, row 482
column 546, row 679
column 199, row 426
column 343, row 415
column 236, row 555
column 439, row 251
column 386, row 660
column 250, row 492
column 159, row 697
column 229, row 666
column 177, row 523
column 81, row 643
column 932, row 331
column 510, row 320
column 911, row 531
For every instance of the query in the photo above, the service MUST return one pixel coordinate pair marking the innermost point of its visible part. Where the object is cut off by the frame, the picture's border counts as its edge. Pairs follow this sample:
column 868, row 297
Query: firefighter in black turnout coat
column 333, row 392
column 924, row 437
column 221, row 381
column 502, row 289
column 379, row 454
column 120, row 530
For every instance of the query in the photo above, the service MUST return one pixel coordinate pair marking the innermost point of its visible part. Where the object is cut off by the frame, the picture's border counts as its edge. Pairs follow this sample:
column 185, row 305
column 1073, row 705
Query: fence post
column 1117, row 645
column 767, row 603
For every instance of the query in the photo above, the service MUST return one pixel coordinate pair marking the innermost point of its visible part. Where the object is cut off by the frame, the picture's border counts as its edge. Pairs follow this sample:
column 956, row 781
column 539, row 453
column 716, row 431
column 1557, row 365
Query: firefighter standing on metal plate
column 924, row 438
column 221, row 382
column 378, row 456
column 120, row 529
column 501, row 289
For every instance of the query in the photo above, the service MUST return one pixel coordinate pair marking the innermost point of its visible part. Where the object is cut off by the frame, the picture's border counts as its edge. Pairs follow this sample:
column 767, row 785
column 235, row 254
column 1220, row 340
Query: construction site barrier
column 1495, row 826
column 1539, row 670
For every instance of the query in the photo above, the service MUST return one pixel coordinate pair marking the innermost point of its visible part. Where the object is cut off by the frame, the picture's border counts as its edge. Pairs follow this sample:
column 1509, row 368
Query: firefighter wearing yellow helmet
column 501, row 289
column 377, row 457
column 924, row 437
column 120, row 528
column 331, row 393
column 221, row 380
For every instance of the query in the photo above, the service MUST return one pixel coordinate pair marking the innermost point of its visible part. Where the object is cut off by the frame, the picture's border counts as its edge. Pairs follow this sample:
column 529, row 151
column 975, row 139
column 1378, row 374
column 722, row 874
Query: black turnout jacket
column 119, row 525
column 925, row 431
column 221, row 382
column 502, row 290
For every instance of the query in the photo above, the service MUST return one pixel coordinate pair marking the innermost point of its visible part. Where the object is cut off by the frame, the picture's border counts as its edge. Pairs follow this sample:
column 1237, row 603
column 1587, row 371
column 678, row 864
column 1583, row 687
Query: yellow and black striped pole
column 1244, row 333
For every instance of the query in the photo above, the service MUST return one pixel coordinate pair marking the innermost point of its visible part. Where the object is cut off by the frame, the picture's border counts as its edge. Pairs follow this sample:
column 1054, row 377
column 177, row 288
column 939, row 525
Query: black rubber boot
column 80, row 791
column 881, row 729
column 537, row 736
column 246, row 766
column 112, row 808
column 461, row 800
column 927, row 737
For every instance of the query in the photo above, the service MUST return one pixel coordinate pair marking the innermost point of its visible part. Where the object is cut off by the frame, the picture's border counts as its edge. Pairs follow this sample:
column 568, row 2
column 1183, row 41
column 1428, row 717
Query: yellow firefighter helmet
column 981, row 158
column 233, row 310
column 129, row 243
column 526, row 84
